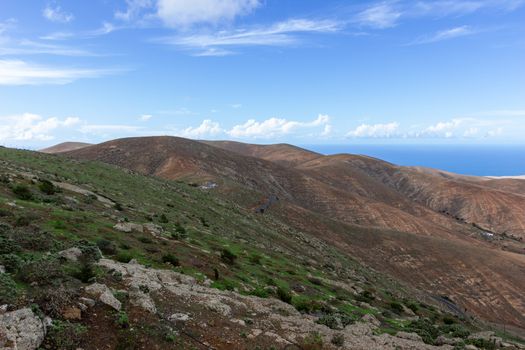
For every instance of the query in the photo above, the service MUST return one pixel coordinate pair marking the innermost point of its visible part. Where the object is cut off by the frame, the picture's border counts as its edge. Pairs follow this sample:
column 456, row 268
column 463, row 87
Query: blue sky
column 264, row 71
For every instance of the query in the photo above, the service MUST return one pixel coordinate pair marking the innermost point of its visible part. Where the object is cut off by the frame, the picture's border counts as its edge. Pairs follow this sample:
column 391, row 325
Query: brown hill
column 283, row 154
column 419, row 225
column 65, row 147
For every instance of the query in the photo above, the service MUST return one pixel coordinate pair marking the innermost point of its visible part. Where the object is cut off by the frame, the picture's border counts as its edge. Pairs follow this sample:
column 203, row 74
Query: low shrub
column 169, row 258
column 8, row 290
column 259, row 292
column 228, row 256
column 64, row 335
column 338, row 340
column 8, row 245
column 284, row 295
column 122, row 319
column 44, row 271
column 163, row 219
column 124, row 256
column 11, row 262
column 335, row 321
column 365, row 297
column 396, row 307
column 22, row 192
column 53, row 300
column 106, row 246
column 47, row 187
column 313, row 341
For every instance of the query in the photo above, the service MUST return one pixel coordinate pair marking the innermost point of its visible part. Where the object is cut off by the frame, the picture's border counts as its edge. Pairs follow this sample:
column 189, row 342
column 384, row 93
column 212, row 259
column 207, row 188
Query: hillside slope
column 65, row 147
column 184, row 268
column 355, row 203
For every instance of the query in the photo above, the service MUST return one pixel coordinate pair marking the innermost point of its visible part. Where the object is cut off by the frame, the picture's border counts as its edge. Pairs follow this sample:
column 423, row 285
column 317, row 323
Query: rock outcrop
column 21, row 330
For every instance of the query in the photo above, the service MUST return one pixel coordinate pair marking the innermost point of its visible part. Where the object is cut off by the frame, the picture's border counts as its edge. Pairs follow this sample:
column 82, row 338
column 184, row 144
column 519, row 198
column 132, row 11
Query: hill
column 65, row 147
column 432, row 230
column 185, row 267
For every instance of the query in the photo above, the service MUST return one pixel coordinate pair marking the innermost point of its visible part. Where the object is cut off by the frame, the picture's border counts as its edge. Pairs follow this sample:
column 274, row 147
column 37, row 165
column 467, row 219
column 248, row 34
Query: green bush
column 8, row 245
column 11, row 262
column 259, row 292
column 284, row 295
column 365, row 296
column 169, row 258
column 481, row 344
column 22, row 192
column 124, row 256
column 44, row 271
column 163, row 219
column 106, row 246
column 424, row 328
column 47, row 187
column 335, row 321
column 396, row 307
column 228, row 256
column 64, row 335
column 313, row 341
column 123, row 319
column 8, row 290
column 338, row 340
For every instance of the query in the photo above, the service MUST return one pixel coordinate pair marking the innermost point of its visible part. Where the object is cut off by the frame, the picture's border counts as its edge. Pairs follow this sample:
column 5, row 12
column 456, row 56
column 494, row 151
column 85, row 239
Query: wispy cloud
column 389, row 13
column 278, row 34
column 145, row 117
column 56, row 14
column 18, row 72
column 381, row 15
column 446, row 34
column 175, row 13
column 29, row 47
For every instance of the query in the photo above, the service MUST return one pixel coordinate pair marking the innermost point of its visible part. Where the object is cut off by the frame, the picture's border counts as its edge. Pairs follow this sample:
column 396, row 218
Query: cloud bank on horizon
column 253, row 70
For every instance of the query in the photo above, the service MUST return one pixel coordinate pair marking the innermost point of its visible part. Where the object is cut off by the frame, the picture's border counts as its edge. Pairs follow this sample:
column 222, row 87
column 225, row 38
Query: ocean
column 480, row 160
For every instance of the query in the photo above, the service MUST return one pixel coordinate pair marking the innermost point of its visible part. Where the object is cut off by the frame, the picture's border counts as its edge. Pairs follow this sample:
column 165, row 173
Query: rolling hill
column 461, row 236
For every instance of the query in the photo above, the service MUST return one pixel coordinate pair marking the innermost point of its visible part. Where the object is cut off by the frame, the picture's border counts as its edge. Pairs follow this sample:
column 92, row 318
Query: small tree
column 22, row 192
column 47, row 187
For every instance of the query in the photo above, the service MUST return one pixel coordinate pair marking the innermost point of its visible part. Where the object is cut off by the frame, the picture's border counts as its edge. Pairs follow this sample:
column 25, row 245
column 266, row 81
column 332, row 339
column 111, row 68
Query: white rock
column 409, row 336
column 179, row 317
column 21, row 330
column 104, row 294
column 71, row 254
column 2, row 269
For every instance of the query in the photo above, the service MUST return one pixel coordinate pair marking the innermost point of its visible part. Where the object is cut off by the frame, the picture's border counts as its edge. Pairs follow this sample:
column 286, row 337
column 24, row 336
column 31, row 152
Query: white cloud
column 375, row 131
column 381, row 15
column 56, row 14
column 27, row 127
column 494, row 132
column 175, row 13
column 278, row 34
column 327, row 130
column 133, row 9
column 28, row 47
column 446, row 34
column 17, row 72
column 443, row 129
column 274, row 127
column 207, row 128
column 145, row 117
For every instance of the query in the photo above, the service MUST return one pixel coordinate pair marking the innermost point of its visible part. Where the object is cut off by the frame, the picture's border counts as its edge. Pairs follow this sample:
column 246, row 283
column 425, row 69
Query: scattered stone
column 128, row 227
column 471, row 347
column 2, row 269
column 409, row 336
column 179, row 317
column 442, row 340
column 369, row 318
column 153, row 229
column 21, row 330
column 482, row 335
column 87, row 301
column 71, row 254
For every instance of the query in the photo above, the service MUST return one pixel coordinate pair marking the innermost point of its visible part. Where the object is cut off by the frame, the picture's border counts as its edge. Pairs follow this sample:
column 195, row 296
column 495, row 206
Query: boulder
column 21, row 330
column 104, row 294
column 442, row 340
column 153, row 229
column 71, row 254
column 409, row 336
column 179, row 317
column 2, row 269
column 482, row 335
column 128, row 227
